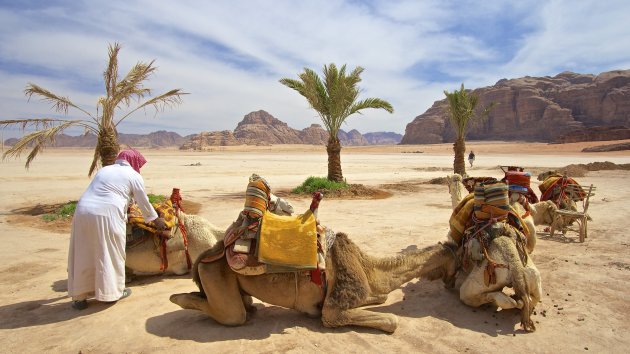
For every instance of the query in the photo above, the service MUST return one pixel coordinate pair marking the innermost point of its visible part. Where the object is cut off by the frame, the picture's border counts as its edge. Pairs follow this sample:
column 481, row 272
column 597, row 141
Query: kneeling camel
column 523, row 276
column 353, row 278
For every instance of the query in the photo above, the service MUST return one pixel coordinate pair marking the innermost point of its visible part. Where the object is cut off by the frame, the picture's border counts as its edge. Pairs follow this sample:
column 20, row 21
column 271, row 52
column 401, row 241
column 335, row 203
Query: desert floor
column 584, row 284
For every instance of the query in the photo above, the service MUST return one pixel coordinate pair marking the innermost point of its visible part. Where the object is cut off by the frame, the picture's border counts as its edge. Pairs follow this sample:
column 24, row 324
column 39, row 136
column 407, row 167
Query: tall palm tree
column 461, row 108
column 334, row 97
column 119, row 92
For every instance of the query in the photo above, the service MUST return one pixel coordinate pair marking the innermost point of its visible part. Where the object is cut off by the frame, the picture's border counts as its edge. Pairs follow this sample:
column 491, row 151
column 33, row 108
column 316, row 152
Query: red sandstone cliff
column 552, row 109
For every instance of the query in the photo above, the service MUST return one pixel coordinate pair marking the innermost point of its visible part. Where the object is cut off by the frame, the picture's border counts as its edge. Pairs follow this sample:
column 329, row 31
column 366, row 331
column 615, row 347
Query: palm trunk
column 459, row 164
column 108, row 147
column 334, row 159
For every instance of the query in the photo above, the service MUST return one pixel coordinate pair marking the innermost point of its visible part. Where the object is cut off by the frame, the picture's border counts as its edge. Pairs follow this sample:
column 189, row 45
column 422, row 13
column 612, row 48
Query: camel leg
column 249, row 304
column 375, row 299
column 334, row 317
column 223, row 302
column 534, row 283
column 473, row 292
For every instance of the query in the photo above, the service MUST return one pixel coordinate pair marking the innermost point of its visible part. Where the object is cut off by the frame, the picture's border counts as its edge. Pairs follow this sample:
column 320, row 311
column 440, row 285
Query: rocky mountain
column 160, row 138
column 563, row 108
column 383, row 138
column 261, row 128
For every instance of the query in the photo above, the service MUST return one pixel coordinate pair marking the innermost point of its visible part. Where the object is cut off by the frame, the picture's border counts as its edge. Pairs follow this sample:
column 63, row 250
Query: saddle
column 554, row 188
column 260, row 242
column 138, row 230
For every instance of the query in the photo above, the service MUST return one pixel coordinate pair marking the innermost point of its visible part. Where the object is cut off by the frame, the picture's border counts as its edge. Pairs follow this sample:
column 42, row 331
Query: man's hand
column 160, row 224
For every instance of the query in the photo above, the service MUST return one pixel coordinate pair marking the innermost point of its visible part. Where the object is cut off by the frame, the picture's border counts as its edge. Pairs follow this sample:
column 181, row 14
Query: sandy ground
column 584, row 305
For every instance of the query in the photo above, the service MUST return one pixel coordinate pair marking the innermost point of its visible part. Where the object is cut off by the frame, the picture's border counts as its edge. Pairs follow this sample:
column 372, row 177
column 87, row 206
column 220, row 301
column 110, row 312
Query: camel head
column 451, row 263
column 543, row 176
column 543, row 212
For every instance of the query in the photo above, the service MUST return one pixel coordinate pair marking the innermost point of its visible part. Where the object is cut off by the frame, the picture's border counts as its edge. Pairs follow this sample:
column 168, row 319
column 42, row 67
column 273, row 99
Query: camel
column 525, row 279
column 458, row 191
column 144, row 258
column 353, row 279
column 543, row 213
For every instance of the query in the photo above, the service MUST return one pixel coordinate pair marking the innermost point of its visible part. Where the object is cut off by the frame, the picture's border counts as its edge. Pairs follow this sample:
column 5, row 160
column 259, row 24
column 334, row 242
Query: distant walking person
column 96, row 261
column 471, row 158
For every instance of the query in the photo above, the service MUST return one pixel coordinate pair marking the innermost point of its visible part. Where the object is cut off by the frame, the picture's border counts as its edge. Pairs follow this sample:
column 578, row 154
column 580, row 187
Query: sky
column 230, row 55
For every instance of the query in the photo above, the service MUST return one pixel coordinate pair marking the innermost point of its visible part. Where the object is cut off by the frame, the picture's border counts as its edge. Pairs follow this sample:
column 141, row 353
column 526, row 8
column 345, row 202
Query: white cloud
column 230, row 54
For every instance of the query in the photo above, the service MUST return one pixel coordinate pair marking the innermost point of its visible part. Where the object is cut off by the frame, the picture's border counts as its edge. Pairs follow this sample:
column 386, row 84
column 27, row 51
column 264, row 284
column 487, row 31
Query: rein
column 176, row 199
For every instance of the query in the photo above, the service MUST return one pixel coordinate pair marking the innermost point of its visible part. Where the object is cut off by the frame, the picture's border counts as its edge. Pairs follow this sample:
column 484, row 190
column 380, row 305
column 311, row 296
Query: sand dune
column 584, row 307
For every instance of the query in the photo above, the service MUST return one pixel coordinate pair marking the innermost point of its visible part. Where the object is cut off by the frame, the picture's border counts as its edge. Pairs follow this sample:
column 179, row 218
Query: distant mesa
column 261, row 128
column 157, row 139
column 566, row 108
column 256, row 128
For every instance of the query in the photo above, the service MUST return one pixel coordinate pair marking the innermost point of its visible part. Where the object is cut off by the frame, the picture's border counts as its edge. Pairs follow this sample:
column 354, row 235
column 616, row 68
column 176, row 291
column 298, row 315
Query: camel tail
column 521, row 288
column 211, row 252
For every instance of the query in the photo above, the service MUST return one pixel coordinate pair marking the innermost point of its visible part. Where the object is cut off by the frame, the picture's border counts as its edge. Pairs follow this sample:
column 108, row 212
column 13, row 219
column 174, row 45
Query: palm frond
column 95, row 160
column 131, row 86
column 375, row 103
column 334, row 96
column 461, row 108
column 160, row 103
column 44, row 123
column 38, row 140
column 111, row 73
column 59, row 103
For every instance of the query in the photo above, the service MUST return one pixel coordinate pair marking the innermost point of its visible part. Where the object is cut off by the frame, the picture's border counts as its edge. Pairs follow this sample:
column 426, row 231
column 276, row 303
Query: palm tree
column 118, row 93
column 461, row 106
column 334, row 97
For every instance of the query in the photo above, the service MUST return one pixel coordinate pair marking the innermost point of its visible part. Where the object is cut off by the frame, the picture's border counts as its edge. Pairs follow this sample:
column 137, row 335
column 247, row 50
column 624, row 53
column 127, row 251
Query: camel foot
column 391, row 323
column 185, row 300
column 529, row 327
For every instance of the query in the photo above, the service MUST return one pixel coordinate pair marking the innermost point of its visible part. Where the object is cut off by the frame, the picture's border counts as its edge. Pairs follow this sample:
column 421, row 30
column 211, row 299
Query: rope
column 296, row 291
column 176, row 200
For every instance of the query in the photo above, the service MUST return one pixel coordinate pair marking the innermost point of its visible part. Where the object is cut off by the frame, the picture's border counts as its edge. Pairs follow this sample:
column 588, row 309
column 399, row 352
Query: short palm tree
column 461, row 108
column 334, row 97
column 119, row 92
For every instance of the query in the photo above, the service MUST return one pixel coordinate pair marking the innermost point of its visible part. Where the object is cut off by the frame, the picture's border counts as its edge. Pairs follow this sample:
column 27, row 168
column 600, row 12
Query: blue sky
column 229, row 55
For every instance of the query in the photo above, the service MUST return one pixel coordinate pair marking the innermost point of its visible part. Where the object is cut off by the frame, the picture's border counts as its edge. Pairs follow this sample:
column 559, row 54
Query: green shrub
column 154, row 198
column 314, row 184
column 65, row 211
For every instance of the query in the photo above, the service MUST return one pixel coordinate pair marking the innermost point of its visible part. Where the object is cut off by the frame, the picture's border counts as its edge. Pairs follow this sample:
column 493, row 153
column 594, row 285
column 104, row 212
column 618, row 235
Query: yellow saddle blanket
column 289, row 241
column 460, row 218
column 164, row 210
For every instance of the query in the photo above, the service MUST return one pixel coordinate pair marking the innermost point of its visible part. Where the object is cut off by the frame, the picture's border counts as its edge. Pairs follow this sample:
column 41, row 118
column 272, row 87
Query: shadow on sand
column 430, row 299
column 197, row 326
column 42, row 312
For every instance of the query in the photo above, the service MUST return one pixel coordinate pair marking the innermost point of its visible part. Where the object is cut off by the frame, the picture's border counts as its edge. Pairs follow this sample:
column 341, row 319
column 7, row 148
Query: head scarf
column 134, row 157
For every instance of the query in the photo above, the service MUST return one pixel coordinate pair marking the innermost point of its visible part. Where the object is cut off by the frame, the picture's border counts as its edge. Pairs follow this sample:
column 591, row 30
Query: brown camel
column 353, row 278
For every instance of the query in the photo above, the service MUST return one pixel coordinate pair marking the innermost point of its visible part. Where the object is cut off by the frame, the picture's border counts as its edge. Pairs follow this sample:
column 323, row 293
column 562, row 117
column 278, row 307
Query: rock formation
column 548, row 109
column 383, row 138
column 351, row 138
column 160, row 138
column 207, row 139
column 261, row 128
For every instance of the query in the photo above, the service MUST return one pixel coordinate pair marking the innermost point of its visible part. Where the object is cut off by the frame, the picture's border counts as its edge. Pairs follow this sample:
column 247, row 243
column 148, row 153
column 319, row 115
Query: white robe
column 96, row 259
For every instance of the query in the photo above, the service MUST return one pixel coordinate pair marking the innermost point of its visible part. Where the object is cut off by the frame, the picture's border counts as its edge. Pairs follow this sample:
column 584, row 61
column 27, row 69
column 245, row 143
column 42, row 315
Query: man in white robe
column 96, row 260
